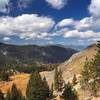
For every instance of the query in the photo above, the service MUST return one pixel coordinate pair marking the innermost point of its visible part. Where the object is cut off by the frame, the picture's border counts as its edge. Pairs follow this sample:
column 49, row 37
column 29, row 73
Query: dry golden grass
column 20, row 80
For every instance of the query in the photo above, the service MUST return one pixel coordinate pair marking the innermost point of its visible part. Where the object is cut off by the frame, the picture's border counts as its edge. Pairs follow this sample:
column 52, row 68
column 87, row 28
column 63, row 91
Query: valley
column 69, row 68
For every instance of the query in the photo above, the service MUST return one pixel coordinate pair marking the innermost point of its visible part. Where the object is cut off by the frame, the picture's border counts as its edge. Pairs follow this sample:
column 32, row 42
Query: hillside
column 73, row 66
column 26, row 54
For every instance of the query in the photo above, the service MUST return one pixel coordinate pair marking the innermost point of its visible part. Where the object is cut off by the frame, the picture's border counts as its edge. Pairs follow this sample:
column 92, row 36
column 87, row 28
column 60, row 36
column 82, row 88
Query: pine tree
column 37, row 88
column 96, row 67
column 14, row 94
column 51, row 91
column 46, row 88
column 69, row 92
column 8, row 96
column 91, row 74
column 74, row 81
column 93, row 88
column 4, row 75
column 58, row 80
column 95, row 72
column 85, row 74
column 1, row 96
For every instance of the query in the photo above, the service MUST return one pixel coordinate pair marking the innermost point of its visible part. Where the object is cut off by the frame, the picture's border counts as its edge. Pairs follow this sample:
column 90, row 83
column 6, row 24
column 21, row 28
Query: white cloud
column 92, row 22
column 94, row 8
column 84, row 23
column 3, row 4
column 79, row 34
column 26, row 26
column 6, row 5
column 66, row 22
column 50, row 42
column 87, row 23
column 6, row 38
column 57, row 4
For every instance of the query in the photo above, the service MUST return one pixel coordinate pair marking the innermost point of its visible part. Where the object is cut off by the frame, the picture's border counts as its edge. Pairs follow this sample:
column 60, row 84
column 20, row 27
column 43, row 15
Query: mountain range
column 27, row 54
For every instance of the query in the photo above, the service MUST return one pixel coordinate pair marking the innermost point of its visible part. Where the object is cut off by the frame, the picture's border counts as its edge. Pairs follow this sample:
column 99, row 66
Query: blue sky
column 43, row 22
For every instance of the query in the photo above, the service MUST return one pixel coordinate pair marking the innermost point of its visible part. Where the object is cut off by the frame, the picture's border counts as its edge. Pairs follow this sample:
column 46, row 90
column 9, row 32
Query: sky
column 42, row 22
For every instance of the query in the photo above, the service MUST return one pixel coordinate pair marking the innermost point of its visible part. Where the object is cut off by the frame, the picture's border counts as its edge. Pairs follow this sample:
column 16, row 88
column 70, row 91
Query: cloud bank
column 32, row 26
column 86, row 29
column 26, row 26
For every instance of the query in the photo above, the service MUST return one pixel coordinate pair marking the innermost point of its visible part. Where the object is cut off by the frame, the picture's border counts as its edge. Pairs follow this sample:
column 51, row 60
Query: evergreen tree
column 88, row 80
column 58, row 80
column 69, row 92
column 8, row 96
column 1, row 96
column 14, row 94
column 74, row 81
column 46, row 87
column 51, row 91
column 93, row 88
column 37, row 88
column 91, row 74
column 85, row 75
column 4, row 75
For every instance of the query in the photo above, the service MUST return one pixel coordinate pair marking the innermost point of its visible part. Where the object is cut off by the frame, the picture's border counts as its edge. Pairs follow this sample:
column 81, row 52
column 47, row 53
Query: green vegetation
column 69, row 92
column 51, row 91
column 35, row 66
column 74, row 81
column 4, row 75
column 14, row 94
column 1, row 96
column 37, row 88
column 58, row 80
column 91, row 74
